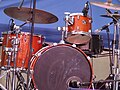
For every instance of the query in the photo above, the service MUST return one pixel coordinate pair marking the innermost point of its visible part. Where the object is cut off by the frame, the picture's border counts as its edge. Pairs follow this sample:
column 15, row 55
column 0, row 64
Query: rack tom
column 79, row 29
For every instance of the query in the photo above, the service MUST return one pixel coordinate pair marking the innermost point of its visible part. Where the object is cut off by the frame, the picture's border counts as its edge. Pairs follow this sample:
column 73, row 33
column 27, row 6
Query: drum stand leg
column 1, row 76
column 115, row 68
column 21, row 84
column 116, row 61
column 8, row 68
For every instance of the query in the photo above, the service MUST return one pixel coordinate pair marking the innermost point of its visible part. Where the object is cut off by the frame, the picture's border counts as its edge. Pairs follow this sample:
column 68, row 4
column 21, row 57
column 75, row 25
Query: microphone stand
column 31, row 39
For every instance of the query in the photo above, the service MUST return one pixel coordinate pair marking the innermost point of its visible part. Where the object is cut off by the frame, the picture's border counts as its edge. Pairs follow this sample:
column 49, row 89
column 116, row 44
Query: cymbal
column 25, row 14
column 109, row 16
column 106, row 5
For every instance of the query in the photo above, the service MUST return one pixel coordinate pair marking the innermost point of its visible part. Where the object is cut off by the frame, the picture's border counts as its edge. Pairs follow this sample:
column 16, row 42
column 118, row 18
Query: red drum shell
column 79, row 32
column 23, row 51
column 81, row 23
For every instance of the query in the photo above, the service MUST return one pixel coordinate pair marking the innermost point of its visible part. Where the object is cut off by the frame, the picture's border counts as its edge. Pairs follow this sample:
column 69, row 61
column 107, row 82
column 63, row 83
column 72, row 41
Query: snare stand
column 8, row 67
column 15, row 43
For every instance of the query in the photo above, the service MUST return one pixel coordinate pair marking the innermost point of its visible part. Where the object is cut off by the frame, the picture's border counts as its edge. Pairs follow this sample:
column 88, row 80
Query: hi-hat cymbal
column 111, row 15
column 106, row 5
column 25, row 14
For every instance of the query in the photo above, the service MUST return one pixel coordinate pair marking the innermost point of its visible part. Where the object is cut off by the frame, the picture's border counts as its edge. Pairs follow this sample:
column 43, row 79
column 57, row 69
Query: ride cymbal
column 106, row 5
column 25, row 14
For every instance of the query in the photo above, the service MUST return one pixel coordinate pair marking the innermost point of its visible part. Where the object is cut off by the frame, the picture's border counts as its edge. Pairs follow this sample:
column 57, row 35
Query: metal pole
column 116, row 68
column 31, row 39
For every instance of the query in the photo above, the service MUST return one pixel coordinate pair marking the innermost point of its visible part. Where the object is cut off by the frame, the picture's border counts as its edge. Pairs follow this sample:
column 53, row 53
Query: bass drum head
column 55, row 67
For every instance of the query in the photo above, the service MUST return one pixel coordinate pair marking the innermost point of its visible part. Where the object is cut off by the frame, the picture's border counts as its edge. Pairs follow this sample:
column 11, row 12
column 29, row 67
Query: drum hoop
column 73, row 14
column 80, row 32
column 26, row 33
column 80, row 14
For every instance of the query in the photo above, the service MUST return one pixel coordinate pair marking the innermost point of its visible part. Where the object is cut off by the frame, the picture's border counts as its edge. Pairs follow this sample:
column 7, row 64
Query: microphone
column 74, row 84
column 12, row 24
column 103, row 27
column 85, row 9
column 20, row 5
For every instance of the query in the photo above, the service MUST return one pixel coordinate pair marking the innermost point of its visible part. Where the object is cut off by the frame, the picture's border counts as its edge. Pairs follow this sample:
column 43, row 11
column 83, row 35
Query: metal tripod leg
column 116, row 50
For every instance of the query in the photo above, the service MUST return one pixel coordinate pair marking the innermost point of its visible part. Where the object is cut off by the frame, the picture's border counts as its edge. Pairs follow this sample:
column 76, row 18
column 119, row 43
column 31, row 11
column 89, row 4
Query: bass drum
column 54, row 67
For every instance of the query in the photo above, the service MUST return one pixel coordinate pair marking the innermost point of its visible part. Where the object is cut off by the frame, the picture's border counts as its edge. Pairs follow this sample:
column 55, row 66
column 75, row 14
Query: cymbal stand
column 116, row 61
column 15, row 43
column 31, row 39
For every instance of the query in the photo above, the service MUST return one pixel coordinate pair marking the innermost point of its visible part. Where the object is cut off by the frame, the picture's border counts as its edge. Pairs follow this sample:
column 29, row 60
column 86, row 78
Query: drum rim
column 80, row 14
column 26, row 33
column 73, row 14
column 39, row 52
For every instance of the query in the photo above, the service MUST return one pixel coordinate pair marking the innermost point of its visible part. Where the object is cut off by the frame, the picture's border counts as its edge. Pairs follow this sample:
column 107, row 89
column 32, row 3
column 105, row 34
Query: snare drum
column 23, row 48
column 79, row 31
column 54, row 67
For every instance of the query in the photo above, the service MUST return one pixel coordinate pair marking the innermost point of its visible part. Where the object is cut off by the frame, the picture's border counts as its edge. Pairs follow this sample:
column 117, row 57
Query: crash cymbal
column 109, row 16
column 25, row 14
column 106, row 5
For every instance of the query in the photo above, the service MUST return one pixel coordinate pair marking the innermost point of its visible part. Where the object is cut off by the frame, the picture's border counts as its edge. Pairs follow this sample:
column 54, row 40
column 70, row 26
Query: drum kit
column 60, row 66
